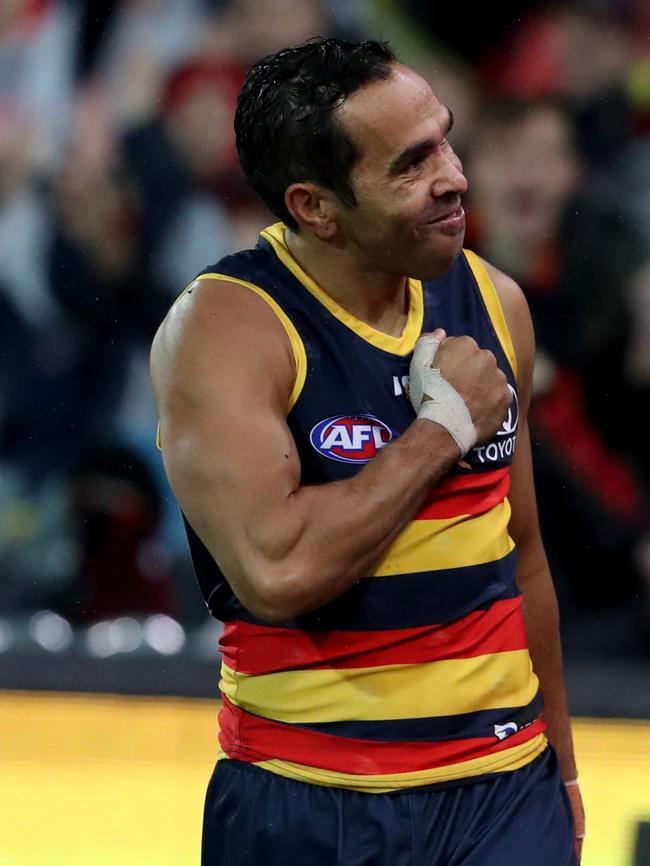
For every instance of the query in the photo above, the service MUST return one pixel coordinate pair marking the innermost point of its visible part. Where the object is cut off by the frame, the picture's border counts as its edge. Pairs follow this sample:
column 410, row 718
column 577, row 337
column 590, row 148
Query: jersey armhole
column 493, row 305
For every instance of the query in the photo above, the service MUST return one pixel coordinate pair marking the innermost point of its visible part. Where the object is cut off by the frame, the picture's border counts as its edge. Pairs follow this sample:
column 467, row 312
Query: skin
column 288, row 549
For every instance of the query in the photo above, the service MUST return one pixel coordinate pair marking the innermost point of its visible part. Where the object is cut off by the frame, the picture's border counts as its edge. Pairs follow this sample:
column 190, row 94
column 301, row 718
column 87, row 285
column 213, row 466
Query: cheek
column 372, row 216
column 394, row 211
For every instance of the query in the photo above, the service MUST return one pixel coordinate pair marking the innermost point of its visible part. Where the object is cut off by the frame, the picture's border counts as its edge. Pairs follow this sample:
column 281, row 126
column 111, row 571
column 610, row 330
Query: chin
column 437, row 262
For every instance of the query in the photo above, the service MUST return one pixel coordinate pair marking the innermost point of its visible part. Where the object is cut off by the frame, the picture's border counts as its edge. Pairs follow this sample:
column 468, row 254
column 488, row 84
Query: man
column 354, row 532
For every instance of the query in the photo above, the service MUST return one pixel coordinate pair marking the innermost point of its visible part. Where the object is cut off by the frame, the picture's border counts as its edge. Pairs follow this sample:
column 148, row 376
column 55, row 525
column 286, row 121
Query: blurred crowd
column 119, row 181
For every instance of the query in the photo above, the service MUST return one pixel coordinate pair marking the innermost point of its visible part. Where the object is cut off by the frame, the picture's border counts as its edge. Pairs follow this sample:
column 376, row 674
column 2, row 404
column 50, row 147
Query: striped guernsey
column 420, row 674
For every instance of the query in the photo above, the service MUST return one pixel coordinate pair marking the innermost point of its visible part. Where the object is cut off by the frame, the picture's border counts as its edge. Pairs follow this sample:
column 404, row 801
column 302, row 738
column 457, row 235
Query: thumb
column 427, row 346
column 423, row 356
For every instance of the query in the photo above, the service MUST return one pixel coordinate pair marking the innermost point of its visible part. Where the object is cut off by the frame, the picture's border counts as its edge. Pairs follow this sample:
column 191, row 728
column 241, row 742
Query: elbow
column 281, row 594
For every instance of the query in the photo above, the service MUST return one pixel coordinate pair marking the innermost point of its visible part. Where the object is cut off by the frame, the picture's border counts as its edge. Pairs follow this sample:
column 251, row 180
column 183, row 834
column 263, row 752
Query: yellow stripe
column 494, row 308
column 297, row 344
column 385, row 692
column 506, row 760
column 457, row 542
column 402, row 345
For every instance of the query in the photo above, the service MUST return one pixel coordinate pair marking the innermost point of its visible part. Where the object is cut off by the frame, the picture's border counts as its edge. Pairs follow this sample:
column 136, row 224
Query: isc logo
column 501, row 732
column 350, row 438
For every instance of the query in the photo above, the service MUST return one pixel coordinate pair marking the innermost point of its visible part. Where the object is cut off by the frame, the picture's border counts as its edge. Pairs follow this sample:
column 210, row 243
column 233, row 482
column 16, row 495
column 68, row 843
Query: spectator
column 37, row 73
column 130, row 57
column 535, row 214
column 186, row 171
column 245, row 30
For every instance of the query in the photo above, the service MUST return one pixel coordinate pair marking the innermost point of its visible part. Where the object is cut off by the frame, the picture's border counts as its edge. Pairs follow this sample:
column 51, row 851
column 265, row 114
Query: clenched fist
column 458, row 385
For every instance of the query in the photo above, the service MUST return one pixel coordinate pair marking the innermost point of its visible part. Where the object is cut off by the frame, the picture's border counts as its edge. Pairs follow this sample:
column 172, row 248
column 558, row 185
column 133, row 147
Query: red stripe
column 252, row 739
column 475, row 493
column 257, row 649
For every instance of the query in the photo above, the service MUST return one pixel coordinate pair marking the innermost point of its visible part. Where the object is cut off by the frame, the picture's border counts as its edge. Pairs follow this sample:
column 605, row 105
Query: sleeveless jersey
column 420, row 673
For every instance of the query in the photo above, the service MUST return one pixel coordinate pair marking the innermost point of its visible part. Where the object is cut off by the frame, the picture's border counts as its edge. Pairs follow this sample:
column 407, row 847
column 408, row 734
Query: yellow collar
column 402, row 345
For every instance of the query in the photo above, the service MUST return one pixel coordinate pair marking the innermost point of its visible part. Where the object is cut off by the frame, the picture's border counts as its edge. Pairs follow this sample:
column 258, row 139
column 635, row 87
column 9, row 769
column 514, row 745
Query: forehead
column 384, row 117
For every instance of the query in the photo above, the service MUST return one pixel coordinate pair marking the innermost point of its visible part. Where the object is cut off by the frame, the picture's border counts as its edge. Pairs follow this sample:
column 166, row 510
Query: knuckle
column 464, row 342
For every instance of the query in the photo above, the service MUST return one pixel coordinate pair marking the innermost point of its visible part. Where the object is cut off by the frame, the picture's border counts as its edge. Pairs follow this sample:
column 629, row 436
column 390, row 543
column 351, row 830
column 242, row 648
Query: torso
column 420, row 673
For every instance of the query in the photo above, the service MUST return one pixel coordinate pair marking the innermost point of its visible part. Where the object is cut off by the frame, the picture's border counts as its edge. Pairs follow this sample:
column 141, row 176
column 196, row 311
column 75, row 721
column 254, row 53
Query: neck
column 375, row 297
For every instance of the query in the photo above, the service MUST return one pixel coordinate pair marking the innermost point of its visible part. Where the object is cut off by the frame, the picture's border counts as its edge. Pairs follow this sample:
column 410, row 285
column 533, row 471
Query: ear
column 313, row 208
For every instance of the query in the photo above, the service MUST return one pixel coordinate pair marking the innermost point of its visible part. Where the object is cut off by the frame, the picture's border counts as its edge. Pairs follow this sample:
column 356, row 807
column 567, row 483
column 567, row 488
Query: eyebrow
column 405, row 157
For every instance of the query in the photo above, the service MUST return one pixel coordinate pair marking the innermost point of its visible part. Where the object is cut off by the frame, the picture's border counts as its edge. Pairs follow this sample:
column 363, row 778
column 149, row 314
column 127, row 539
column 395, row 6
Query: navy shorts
column 256, row 818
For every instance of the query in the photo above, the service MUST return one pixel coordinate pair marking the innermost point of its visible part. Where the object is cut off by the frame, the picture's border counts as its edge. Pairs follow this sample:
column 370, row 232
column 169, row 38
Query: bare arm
column 222, row 370
column 533, row 576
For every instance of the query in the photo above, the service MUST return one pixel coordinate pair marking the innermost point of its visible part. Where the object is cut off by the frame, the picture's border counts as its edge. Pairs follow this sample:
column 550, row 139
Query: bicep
column 231, row 469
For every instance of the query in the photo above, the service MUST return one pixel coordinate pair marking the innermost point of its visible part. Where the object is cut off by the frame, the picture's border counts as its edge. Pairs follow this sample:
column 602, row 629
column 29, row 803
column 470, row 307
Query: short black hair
column 285, row 122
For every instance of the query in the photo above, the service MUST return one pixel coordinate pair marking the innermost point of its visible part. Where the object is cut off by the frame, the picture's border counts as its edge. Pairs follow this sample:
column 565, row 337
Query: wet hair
column 286, row 125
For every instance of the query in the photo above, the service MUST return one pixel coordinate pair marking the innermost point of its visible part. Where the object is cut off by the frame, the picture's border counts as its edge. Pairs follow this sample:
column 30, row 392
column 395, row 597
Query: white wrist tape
column 445, row 406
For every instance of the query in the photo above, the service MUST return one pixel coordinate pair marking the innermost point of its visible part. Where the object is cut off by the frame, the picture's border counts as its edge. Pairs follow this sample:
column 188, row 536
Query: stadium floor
column 119, row 780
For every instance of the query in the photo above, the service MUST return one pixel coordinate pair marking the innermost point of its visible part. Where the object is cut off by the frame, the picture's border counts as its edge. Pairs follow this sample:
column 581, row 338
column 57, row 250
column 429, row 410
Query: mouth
column 452, row 221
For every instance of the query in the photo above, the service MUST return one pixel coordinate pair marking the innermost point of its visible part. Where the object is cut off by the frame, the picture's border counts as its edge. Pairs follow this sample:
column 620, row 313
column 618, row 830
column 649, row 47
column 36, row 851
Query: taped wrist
column 444, row 405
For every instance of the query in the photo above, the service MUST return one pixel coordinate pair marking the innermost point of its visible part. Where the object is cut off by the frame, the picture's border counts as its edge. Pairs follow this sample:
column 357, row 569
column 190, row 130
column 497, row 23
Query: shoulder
column 219, row 327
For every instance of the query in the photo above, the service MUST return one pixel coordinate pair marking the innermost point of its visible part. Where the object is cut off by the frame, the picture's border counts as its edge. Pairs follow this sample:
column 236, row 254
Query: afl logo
column 509, row 425
column 350, row 438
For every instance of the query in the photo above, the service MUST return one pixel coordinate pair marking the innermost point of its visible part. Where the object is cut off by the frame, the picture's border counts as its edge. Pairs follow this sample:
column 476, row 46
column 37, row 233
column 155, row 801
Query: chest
column 355, row 399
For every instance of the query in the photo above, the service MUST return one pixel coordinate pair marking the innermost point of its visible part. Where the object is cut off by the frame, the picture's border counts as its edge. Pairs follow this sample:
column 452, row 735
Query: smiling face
column 408, row 181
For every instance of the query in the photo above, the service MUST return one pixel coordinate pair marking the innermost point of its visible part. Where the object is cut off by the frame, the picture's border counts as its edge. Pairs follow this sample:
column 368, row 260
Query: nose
column 450, row 177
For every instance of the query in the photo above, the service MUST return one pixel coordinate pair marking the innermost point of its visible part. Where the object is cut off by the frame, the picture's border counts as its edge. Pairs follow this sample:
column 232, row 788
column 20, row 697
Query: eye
column 413, row 164
column 416, row 162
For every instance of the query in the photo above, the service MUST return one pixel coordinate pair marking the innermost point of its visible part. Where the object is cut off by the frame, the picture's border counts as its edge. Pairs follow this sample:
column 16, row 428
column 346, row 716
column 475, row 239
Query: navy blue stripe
column 457, row 727
column 393, row 602
column 430, row 730
column 378, row 603
column 412, row 600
